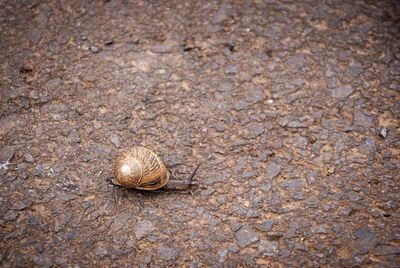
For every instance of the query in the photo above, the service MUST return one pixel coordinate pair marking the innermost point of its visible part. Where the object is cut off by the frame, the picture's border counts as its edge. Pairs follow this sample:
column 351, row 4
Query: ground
column 292, row 108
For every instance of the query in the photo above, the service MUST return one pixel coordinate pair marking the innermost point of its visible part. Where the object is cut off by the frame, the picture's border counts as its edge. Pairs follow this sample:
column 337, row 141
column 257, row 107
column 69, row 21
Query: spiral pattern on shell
column 140, row 168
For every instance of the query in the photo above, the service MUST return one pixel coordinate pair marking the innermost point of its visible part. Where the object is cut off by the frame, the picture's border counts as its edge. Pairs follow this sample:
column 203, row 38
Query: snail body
column 143, row 169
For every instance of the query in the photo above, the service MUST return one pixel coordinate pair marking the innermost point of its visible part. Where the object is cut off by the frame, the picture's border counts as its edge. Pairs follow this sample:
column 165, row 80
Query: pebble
column 20, row 205
column 222, row 14
column 166, row 47
column 10, row 215
column 166, row 253
column 28, row 157
column 319, row 229
column 241, row 105
column 344, row 55
column 101, row 251
column 219, row 126
column 6, row 153
column 283, row 121
column 347, row 211
column 383, row 133
column 383, row 250
column 231, row 69
column 301, row 142
column 267, row 225
column 115, row 140
column 72, row 234
column 59, row 167
column 94, row 49
column 246, row 236
column 293, row 184
column 342, row 92
column 296, row 124
column 42, row 261
column 120, row 221
column 143, row 228
column 268, row 248
column 266, row 186
column 275, row 199
column 329, row 73
column 362, row 119
column 273, row 170
column 365, row 240
column 298, row 196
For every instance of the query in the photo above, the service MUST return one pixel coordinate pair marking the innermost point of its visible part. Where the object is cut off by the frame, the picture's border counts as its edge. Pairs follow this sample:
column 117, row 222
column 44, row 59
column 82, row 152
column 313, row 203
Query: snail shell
column 140, row 168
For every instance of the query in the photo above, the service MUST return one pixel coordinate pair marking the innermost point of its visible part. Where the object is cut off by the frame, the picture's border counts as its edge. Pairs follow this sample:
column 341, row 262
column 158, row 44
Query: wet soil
column 291, row 107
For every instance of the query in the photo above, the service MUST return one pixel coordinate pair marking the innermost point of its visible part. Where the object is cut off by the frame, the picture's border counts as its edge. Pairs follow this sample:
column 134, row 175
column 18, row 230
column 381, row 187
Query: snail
column 143, row 169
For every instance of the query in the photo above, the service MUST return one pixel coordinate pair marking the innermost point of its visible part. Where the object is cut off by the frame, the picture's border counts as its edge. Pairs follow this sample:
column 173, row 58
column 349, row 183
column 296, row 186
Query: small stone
column 241, row 105
column 233, row 248
column 108, row 42
column 59, row 167
column 365, row 240
column 330, row 73
column 283, row 121
column 256, row 130
column 301, row 142
column 166, row 253
column 273, row 170
column 222, row 14
column 54, row 83
column 101, row 251
column 28, row 157
column 42, row 261
column 65, row 197
column 383, row 133
column 267, row 225
column 347, row 211
column 268, row 248
column 296, row 124
column 387, row 250
column 33, row 94
column 246, row 236
column 298, row 196
column 344, row 55
column 236, row 225
column 275, row 199
column 20, row 205
column 94, row 49
column 342, row 92
column 10, row 215
column 6, row 153
column 39, row 247
column 319, row 230
column 220, row 127
column 115, row 140
column 297, row 61
column 86, row 204
column 295, row 184
column 354, row 196
column 231, row 69
column 97, row 124
column 72, row 234
column 166, row 47
column 362, row 119
column 143, row 228
column 266, row 186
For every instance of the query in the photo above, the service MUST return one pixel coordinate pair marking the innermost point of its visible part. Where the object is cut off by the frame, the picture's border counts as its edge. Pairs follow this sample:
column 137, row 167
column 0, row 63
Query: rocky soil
column 291, row 107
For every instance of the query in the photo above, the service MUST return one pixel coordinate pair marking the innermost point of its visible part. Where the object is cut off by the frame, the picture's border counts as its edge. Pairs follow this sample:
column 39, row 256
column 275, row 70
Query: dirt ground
column 291, row 107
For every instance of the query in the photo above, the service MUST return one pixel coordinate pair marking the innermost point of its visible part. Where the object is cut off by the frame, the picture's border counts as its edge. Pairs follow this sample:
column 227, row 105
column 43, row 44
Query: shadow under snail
column 143, row 169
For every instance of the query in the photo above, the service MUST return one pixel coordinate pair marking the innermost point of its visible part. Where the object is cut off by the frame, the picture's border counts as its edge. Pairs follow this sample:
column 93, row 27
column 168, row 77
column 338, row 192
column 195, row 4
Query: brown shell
column 140, row 168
